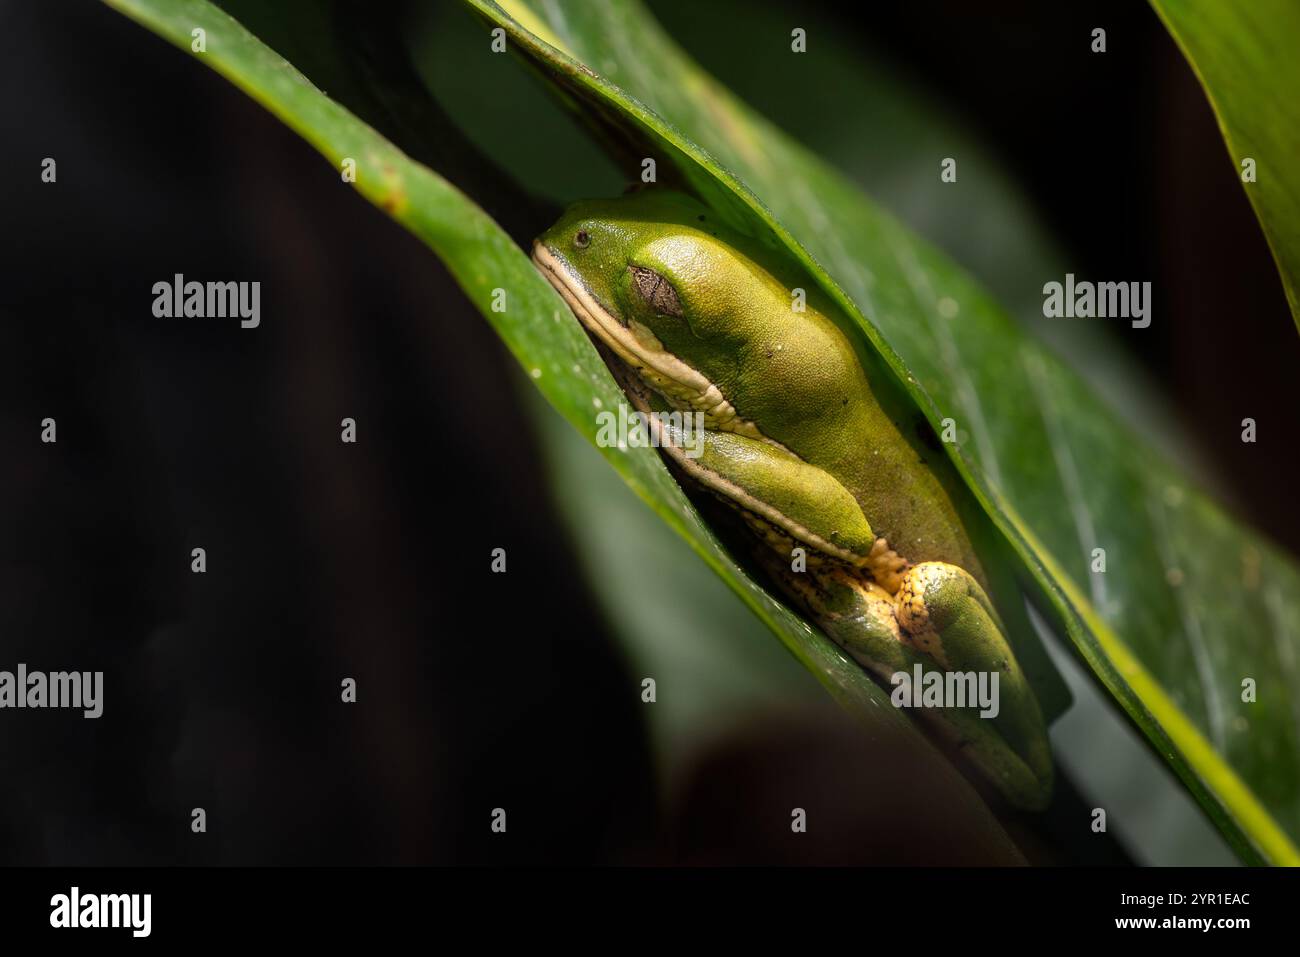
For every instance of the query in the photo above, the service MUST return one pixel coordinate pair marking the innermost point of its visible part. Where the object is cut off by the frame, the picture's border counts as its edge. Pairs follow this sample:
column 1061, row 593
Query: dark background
column 371, row 560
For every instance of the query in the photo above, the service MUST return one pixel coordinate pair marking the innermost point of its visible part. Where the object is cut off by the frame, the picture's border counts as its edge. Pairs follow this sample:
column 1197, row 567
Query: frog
column 807, row 441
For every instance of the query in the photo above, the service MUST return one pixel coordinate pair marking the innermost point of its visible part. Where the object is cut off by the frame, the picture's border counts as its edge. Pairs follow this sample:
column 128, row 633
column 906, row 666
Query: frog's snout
column 552, row 265
column 560, row 273
column 538, row 248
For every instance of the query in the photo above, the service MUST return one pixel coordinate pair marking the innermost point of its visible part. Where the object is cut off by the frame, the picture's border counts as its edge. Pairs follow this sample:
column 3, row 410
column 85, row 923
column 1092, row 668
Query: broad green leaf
column 1191, row 604
column 1244, row 54
column 540, row 331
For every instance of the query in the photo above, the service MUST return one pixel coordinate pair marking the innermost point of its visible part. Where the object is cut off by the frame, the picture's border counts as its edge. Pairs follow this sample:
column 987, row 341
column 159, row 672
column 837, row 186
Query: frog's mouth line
column 670, row 376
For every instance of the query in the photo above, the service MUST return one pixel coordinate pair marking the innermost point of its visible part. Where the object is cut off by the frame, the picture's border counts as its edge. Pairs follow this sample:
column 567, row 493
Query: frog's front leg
column 801, row 501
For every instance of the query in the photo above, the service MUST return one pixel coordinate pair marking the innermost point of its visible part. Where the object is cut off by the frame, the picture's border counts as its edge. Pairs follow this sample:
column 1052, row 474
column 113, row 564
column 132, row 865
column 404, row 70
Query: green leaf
column 1244, row 54
column 542, row 334
column 1191, row 603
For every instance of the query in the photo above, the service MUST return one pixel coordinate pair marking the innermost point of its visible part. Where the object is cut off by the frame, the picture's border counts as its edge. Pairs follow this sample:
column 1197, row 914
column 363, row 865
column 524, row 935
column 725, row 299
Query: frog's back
column 814, row 398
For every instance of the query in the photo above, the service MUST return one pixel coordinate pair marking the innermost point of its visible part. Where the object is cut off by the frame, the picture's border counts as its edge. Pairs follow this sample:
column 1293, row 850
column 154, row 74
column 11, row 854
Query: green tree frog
column 822, row 461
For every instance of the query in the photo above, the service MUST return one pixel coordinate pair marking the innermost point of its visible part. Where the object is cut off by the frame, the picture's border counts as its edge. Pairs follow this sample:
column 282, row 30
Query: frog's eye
column 657, row 291
column 583, row 239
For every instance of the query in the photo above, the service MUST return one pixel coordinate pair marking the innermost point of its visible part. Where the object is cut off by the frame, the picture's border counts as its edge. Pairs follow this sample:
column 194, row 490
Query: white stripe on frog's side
column 636, row 345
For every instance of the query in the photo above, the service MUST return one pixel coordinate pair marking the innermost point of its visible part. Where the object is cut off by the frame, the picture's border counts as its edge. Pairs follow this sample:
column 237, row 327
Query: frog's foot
column 941, row 622
column 943, row 613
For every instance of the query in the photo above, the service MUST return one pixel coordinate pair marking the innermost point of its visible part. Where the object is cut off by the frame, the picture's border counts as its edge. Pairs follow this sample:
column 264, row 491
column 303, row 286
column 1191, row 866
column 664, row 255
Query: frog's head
column 651, row 277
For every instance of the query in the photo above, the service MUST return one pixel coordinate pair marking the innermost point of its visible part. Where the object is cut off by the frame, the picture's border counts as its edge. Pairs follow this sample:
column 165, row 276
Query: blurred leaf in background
column 1245, row 56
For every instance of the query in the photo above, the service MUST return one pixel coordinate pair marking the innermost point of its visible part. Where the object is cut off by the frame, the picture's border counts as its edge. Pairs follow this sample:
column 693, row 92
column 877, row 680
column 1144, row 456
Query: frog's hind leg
column 871, row 625
column 943, row 613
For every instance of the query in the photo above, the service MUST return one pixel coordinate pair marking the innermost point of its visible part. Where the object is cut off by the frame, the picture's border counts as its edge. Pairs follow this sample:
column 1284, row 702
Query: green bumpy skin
column 703, row 319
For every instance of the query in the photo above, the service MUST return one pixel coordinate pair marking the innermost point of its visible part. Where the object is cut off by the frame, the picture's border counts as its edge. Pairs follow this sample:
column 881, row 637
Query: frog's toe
column 935, row 600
